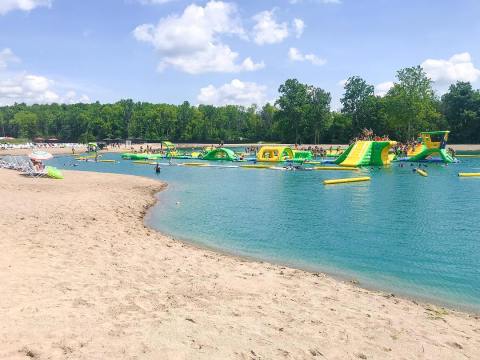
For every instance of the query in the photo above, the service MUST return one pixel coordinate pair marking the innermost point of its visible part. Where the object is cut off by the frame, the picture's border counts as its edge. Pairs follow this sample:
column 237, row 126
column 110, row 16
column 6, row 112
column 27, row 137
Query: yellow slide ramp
column 357, row 153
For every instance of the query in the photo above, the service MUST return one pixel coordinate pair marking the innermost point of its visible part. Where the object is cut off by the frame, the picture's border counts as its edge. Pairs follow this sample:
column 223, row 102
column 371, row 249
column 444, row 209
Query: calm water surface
column 400, row 232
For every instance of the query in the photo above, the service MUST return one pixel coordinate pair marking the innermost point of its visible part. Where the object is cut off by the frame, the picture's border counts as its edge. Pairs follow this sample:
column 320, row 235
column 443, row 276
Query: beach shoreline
column 335, row 274
column 98, row 275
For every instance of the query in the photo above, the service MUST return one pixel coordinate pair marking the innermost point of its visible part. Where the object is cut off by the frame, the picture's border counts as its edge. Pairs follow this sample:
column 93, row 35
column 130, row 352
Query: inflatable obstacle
column 431, row 148
column 469, row 174
column 334, row 168
column 422, row 172
column 255, row 166
column 220, row 154
column 275, row 154
column 366, row 153
column 302, row 155
column 347, row 180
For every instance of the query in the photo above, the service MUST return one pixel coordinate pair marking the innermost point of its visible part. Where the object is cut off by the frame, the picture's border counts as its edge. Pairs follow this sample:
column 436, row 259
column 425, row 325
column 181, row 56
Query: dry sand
column 81, row 277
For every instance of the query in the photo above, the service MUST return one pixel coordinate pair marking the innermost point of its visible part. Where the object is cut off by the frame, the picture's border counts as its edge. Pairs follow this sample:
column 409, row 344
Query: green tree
column 340, row 130
column 292, row 102
column 318, row 114
column 461, row 108
column 357, row 102
column 410, row 105
column 26, row 123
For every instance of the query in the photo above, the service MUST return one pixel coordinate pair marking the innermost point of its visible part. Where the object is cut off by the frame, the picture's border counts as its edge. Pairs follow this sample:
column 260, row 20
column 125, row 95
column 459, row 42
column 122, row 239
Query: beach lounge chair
column 29, row 170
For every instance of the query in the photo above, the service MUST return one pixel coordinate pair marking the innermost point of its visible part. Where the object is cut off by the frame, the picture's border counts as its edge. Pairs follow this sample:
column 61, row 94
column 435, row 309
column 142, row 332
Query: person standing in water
column 157, row 168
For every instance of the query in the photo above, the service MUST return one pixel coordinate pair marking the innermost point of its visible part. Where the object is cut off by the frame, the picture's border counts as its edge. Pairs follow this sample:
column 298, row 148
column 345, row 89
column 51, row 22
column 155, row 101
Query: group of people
column 402, row 149
column 148, row 149
column 369, row 135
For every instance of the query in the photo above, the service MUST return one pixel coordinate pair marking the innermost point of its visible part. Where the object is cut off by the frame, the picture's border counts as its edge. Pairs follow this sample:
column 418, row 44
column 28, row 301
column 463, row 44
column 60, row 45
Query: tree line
column 301, row 114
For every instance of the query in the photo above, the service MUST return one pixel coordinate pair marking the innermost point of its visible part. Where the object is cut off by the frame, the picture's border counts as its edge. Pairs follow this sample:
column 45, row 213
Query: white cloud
column 6, row 57
column 382, row 88
column 267, row 30
column 342, row 82
column 25, row 5
column 458, row 68
column 296, row 55
column 36, row 89
column 29, row 88
column 234, row 93
column 191, row 42
column 299, row 27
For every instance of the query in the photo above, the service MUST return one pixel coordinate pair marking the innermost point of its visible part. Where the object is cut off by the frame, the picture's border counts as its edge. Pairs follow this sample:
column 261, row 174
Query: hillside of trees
column 302, row 114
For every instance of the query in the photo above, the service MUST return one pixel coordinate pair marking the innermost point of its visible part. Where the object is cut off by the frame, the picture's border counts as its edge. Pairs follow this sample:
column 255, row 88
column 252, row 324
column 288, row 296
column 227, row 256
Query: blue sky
column 226, row 52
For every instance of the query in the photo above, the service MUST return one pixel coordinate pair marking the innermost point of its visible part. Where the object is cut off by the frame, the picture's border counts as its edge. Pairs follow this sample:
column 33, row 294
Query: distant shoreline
column 123, row 148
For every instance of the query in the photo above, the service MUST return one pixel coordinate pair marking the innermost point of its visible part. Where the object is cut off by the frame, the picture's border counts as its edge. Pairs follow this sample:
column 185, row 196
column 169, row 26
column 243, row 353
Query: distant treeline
column 301, row 114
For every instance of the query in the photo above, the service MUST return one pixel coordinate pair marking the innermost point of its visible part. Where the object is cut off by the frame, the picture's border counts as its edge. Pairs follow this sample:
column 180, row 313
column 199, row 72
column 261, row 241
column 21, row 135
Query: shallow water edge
column 336, row 274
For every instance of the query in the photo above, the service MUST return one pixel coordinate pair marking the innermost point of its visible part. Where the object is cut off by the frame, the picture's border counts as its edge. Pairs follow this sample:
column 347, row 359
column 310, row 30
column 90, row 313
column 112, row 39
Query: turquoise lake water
column 400, row 232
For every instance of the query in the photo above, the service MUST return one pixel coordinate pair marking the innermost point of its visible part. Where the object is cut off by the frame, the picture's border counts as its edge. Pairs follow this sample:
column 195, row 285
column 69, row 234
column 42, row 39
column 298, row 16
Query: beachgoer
column 157, row 168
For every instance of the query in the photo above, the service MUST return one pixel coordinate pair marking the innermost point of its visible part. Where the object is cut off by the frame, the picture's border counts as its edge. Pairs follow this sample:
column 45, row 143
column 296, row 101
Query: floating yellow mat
column 107, row 161
column 144, row 162
column 422, row 172
column 194, row 164
column 350, row 168
column 256, row 166
column 348, row 180
column 468, row 174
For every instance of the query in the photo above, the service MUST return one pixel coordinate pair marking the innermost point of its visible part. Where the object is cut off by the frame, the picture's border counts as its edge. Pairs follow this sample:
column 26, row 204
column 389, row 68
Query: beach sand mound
column 82, row 278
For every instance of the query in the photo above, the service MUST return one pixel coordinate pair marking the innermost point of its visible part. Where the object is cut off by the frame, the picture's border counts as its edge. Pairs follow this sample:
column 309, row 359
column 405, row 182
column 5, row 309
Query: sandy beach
column 81, row 277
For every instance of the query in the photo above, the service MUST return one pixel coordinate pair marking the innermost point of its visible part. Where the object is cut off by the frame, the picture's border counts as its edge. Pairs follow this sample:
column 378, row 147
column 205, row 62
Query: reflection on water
column 400, row 231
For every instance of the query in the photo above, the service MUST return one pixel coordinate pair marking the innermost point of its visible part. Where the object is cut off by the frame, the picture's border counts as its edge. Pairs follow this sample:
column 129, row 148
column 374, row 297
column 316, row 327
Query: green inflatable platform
column 220, row 154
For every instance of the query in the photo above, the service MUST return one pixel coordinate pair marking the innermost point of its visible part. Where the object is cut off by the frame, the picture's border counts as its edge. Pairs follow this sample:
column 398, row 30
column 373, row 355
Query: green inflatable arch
column 220, row 154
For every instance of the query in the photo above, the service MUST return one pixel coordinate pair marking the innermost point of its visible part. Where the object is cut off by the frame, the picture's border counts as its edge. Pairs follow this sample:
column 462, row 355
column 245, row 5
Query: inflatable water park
column 429, row 146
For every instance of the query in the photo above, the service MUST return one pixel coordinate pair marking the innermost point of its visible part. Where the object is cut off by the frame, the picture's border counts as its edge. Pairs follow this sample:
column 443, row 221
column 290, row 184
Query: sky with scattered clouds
column 224, row 52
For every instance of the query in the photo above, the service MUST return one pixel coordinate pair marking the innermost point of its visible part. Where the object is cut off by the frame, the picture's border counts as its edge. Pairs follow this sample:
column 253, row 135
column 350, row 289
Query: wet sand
column 81, row 277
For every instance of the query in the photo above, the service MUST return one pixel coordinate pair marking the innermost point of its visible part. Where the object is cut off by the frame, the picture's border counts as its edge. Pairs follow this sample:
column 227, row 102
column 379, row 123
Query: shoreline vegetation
column 301, row 114
column 82, row 276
